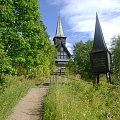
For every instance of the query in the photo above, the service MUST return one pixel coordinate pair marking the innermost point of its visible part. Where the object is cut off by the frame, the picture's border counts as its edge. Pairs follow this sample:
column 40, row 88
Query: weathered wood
column 100, row 57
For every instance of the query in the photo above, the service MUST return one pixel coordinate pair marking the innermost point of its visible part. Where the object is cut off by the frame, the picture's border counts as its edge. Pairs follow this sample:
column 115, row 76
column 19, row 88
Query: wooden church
column 63, row 55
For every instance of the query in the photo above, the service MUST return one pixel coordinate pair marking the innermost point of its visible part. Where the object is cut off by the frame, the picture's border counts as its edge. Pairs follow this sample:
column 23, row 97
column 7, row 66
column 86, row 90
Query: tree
column 116, row 56
column 82, row 58
column 24, row 38
column 7, row 33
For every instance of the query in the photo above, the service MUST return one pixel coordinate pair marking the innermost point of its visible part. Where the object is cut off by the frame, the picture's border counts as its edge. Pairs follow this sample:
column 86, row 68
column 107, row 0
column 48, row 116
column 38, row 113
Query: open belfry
column 63, row 55
column 100, row 56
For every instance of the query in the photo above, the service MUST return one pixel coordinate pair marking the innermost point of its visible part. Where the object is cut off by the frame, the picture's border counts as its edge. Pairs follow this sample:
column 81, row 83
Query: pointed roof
column 99, row 42
column 59, row 29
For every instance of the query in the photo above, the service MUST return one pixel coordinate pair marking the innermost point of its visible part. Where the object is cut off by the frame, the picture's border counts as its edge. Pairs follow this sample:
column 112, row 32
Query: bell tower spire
column 59, row 35
column 59, row 29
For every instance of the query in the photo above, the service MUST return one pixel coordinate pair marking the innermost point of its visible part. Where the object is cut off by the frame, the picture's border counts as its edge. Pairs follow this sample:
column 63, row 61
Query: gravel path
column 30, row 106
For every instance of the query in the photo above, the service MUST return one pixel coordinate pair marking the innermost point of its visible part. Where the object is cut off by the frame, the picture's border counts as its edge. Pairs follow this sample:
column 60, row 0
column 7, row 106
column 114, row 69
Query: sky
column 78, row 18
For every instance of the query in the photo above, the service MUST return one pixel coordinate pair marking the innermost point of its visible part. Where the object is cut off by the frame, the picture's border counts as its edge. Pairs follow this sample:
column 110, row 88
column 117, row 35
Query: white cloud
column 69, row 47
column 80, row 15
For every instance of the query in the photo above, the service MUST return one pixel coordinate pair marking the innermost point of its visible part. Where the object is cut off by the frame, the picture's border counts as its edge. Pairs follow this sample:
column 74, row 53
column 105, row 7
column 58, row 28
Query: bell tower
column 100, row 56
column 59, row 36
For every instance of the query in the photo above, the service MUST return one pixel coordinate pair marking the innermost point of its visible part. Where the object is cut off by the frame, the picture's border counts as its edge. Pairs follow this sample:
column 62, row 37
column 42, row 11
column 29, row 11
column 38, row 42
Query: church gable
column 62, row 53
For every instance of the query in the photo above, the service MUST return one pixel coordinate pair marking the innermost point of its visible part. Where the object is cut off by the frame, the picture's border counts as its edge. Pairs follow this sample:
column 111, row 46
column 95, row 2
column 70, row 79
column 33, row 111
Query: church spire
column 99, row 42
column 59, row 29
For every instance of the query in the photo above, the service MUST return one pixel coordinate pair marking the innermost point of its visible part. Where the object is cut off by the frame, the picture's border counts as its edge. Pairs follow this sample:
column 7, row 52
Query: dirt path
column 30, row 106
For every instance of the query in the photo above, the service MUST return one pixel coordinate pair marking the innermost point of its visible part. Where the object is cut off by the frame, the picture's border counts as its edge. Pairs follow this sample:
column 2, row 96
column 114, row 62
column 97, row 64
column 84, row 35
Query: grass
column 12, row 89
column 78, row 100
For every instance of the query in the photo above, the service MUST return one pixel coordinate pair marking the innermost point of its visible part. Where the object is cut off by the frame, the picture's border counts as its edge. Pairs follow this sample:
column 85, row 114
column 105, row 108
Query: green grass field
column 12, row 89
column 78, row 100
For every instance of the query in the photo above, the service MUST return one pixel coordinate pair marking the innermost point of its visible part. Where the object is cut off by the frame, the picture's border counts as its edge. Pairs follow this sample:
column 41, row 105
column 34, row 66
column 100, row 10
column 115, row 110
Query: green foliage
column 116, row 57
column 11, row 91
column 71, row 68
column 82, row 58
column 5, row 64
column 23, row 38
column 79, row 100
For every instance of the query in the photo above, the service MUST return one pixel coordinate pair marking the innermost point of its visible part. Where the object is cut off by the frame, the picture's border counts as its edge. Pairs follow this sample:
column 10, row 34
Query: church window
column 65, row 53
column 62, row 53
column 61, row 49
column 58, row 57
column 58, row 53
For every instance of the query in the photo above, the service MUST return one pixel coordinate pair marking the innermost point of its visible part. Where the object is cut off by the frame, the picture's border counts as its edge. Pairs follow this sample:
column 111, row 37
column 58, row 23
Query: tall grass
column 11, row 90
column 78, row 100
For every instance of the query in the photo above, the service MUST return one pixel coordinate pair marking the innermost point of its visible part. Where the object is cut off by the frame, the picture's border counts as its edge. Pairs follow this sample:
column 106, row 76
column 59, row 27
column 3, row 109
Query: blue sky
column 78, row 18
